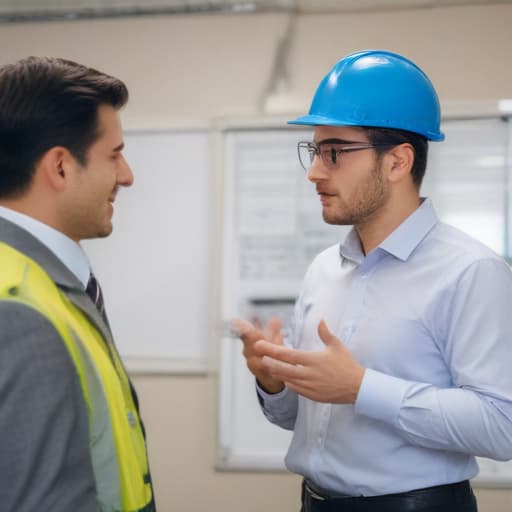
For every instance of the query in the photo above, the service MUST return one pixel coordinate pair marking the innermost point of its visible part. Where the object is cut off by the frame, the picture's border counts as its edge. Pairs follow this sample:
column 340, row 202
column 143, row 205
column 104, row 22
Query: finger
column 284, row 354
column 240, row 326
column 245, row 330
column 281, row 370
column 273, row 331
column 296, row 378
column 326, row 335
column 306, row 391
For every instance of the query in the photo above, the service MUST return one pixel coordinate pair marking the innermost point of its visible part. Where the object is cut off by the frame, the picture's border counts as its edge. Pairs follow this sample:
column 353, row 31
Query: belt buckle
column 313, row 494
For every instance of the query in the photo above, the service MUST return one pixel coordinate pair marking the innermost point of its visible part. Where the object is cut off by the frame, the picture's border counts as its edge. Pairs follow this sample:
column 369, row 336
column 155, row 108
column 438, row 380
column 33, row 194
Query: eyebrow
column 119, row 148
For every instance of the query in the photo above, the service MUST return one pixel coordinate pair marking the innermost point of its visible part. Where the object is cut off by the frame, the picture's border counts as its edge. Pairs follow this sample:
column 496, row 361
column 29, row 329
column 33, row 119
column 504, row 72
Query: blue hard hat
column 376, row 88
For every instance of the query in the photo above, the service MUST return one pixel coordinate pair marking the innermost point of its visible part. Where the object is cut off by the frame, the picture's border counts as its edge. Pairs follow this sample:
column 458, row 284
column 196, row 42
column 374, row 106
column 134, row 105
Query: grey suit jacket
column 45, row 462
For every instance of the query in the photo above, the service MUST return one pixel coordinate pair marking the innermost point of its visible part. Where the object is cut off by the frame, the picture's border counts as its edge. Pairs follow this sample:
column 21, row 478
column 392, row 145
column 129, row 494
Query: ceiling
column 42, row 10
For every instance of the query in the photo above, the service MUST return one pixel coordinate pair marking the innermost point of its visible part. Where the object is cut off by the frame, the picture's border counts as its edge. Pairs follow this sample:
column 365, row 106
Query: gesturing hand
column 250, row 336
column 331, row 375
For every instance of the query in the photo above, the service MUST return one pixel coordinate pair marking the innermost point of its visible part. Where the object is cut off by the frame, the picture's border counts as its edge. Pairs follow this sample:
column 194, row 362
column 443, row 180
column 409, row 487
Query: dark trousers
column 457, row 497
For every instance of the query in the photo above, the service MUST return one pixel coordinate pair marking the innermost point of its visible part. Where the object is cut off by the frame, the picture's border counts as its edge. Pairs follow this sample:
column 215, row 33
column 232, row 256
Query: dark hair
column 393, row 137
column 47, row 102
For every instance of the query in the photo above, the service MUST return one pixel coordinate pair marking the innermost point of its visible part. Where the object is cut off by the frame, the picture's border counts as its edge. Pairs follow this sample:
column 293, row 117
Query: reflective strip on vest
column 118, row 450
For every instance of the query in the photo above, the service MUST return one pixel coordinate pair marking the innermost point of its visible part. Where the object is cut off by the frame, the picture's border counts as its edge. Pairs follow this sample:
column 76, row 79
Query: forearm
column 456, row 419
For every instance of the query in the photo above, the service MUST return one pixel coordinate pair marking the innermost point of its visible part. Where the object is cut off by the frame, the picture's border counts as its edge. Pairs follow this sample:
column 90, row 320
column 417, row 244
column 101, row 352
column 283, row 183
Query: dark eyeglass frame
column 331, row 158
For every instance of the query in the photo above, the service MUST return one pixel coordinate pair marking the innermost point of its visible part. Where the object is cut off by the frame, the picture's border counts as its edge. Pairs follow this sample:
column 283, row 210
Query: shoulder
column 461, row 242
column 452, row 247
column 456, row 260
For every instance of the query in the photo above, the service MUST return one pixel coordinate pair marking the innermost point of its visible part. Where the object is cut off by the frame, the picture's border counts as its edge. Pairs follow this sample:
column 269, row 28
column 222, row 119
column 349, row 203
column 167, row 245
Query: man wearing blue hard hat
column 397, row 372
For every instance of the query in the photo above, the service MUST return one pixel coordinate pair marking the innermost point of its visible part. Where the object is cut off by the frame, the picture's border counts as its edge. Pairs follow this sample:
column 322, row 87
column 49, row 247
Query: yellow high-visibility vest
column 118, row 449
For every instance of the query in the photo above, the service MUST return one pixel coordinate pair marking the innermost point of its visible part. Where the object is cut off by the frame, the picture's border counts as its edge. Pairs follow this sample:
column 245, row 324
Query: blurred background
column 193, row 64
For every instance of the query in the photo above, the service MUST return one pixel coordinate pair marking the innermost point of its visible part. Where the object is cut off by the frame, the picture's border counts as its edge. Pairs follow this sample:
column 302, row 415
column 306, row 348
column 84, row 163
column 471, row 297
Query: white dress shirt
column 428, row 313
column 68, row 251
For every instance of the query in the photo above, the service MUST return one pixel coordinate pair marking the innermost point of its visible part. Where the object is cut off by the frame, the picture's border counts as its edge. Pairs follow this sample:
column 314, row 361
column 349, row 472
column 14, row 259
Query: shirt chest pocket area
column 398, row 345
column 306, row 326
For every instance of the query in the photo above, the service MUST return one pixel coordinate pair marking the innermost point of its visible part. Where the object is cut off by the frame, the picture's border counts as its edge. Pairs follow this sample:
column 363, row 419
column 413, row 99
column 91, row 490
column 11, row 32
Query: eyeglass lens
column 329, row 151
column 329, row 154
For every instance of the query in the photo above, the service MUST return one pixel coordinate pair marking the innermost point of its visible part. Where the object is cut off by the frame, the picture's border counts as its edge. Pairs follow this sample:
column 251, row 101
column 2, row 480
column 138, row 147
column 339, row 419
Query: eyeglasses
column 330, row 151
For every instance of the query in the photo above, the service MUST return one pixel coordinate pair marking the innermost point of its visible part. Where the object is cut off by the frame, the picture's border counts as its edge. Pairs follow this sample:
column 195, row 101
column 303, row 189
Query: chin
column 104, row 231
column 337, row 221
column 107, row 232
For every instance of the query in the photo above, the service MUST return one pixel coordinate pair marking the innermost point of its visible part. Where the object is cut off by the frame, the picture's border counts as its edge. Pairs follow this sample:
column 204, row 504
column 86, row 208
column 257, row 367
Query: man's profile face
column 93, row 186
column 355, row 190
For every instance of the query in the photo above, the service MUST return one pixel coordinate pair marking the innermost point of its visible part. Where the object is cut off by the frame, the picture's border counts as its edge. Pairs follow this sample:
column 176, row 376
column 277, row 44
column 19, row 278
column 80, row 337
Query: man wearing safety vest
column 397, row 373
column 71, row 439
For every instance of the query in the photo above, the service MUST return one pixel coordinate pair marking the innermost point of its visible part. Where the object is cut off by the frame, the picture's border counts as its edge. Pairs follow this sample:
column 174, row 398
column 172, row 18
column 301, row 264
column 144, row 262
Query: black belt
column 450, row 498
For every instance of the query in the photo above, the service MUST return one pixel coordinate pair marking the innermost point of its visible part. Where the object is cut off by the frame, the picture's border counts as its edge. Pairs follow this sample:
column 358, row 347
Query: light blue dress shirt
column 68, row 251
column 429, row 315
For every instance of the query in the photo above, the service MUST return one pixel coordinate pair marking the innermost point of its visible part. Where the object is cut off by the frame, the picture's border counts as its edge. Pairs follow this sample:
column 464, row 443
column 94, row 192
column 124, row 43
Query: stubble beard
column 370, row 197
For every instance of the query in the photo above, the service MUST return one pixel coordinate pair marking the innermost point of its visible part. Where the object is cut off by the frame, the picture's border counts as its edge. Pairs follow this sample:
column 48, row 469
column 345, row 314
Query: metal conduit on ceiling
column 46, row 10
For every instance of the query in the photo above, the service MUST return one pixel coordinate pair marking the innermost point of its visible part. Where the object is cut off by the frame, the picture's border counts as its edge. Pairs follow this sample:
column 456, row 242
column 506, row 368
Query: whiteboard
column 154, row 268
column 247, row 440
column 269, row 238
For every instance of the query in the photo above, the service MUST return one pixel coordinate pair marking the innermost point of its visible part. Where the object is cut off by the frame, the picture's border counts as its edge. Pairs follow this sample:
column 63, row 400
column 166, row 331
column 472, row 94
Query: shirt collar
column 351, row 248
column 402, row 241
column 68, row 251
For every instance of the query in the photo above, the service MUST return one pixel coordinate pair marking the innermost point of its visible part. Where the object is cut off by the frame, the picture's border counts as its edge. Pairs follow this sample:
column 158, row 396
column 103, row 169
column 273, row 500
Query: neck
column 375, row 230
column 39, row 210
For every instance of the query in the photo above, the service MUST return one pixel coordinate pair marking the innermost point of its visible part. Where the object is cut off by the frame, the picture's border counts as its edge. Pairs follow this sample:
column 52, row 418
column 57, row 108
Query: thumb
column 326, row 335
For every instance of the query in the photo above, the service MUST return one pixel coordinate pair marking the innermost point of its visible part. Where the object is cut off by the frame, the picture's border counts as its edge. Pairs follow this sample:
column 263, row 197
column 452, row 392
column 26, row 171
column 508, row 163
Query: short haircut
column 47, row 102
column 393, row 137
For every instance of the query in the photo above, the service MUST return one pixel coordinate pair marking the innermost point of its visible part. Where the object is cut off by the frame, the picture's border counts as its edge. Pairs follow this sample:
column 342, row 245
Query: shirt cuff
column 269, row 397
column 380, row 396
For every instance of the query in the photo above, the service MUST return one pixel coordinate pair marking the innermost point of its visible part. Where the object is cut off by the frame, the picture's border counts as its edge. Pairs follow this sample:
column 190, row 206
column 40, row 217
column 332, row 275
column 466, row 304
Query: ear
column 54, row 167
column 401, row 160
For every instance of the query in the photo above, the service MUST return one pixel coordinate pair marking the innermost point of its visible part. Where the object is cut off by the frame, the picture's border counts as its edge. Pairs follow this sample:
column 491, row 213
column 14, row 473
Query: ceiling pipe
column 44, row 13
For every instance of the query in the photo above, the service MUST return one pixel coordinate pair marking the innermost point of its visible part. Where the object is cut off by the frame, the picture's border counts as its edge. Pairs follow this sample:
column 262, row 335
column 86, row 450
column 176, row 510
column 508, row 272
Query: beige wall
column 183, row 70
column 193, row 68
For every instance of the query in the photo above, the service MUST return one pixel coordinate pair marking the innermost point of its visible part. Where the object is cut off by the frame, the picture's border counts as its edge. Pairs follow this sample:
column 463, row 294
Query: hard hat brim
column 316, row 120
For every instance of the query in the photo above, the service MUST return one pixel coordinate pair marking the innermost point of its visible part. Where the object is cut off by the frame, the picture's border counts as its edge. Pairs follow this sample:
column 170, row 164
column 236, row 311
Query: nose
column 317, row 171
column 125, row 175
